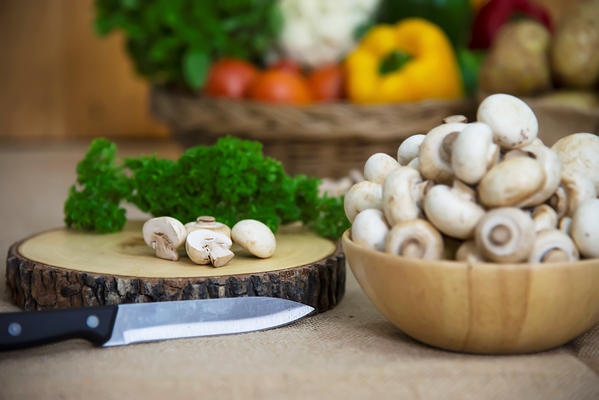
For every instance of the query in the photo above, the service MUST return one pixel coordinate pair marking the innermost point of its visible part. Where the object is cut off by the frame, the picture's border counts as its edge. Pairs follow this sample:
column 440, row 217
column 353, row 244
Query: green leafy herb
column 172, row 42
column 231, row 181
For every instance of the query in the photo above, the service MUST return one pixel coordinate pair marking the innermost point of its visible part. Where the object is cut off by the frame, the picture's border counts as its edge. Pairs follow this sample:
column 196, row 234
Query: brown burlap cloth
column 350, row 352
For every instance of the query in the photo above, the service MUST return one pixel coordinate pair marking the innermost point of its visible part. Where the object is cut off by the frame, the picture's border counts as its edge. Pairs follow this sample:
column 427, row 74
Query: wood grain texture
column 62, row 268
column 480, row 307
column 59, row 80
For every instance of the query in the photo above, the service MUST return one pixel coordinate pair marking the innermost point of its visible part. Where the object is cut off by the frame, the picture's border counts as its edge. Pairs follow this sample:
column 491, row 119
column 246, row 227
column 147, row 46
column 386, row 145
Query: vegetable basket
column 324, row 140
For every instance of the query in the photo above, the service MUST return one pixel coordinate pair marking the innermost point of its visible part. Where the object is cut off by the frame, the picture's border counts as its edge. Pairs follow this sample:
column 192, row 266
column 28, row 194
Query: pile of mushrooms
column 489, row 189
column 206, row 240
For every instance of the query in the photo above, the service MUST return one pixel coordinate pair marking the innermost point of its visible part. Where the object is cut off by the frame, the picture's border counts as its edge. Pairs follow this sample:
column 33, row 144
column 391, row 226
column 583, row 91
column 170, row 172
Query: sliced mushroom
column 552, row 245
column 165, row 235
column 408, row 149
column 370, row 229
column 403, row 192
column 474, row 153
column 511, row 182
column 552, row 169
column 578, row 153
column 378, row 166
column 415, row 239
column 209, row 223
column 361, row 196
column 435, row 152
column 505, row 235
column 544, row 217
column 255, row 237
column 209, row 247
column 468, row 252
column 585, row 228
column 513, row 122
column 453, row 210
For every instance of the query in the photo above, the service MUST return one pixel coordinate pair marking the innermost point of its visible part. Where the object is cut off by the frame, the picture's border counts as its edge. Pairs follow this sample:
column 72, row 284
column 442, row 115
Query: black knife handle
column 20, row 330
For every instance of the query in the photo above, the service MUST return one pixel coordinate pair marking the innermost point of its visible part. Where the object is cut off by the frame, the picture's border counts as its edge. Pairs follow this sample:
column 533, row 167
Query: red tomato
column 230, row 78
column 286, row 64
column 278, row 86
column 326, row 83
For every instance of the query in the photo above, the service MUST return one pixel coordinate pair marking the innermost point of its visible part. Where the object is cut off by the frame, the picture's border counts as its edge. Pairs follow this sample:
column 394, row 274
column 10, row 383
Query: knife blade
column 135, row 323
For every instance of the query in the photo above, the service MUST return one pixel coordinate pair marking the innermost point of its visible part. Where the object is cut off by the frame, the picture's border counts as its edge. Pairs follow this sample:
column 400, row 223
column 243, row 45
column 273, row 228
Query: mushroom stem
column 544, row 217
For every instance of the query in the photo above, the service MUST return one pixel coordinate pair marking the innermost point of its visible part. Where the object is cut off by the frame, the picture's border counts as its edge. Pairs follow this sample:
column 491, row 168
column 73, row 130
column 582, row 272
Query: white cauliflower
column 318, row 32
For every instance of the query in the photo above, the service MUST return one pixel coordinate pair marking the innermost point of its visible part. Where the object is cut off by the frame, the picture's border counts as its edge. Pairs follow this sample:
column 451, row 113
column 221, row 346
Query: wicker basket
column 325, row 140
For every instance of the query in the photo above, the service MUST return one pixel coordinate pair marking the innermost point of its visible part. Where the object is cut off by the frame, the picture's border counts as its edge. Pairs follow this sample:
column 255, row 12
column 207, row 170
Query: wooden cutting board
column 65, row 268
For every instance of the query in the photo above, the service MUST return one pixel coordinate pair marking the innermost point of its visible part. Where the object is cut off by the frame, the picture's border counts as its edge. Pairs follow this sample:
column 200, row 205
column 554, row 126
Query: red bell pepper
column 491, row 17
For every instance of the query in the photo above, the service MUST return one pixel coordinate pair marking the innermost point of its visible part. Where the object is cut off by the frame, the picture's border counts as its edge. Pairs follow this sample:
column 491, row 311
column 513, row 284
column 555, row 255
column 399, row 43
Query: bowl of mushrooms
column 478, row 237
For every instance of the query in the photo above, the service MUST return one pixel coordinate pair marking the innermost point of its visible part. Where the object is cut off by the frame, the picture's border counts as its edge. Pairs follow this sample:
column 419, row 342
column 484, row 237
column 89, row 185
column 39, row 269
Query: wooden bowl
column 482, row 307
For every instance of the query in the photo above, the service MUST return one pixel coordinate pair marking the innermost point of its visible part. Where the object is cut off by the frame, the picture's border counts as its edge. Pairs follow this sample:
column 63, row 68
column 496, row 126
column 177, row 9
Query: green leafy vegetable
column 231, row 181
column 172, row 42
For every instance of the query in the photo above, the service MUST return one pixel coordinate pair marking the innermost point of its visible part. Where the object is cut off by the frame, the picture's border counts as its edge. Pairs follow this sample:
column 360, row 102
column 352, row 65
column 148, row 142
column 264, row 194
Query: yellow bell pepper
column 410, row 61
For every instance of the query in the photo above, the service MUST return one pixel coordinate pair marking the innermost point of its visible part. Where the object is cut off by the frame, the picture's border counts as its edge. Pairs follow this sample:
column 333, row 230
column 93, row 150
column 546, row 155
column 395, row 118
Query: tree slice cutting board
column 65, row 268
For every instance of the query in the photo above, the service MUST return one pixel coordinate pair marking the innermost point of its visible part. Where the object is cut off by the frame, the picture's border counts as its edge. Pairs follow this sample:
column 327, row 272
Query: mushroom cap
column 415, row 163
column 361, row 196
column 435, row 161
column 513, row 122
column 552, row 245
column 415, row 239
column 370, row 229
column 401, row 198
column 552, row 168
column 378, row 166
column 210, row 223
column 453, row 210
column 579, row 153
column 578, row 189
column 474, row 152
column 409, row 149
column 168, row 228
column 255, row 237
column 505, row 235
column 511, row 182
column 585, row 228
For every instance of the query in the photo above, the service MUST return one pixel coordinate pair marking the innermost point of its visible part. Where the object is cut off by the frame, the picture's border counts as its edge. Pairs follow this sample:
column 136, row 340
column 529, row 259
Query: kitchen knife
column 145, row 322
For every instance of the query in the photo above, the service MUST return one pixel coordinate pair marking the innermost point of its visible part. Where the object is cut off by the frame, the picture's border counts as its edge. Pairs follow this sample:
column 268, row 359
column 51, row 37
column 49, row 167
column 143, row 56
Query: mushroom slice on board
column 552, row 245
column 474, row 153
column 435, row 152
column 403, row 192
column 415, row 239
column 408, row 149
column 585, row 228
column 209, row 247
column 165, row 235
column 378, row 166
column 511, row 182
column 453, row 210
column 505, row 235
column 362, row 196
column 513, row 122
column 370, row 229
column 255, row 237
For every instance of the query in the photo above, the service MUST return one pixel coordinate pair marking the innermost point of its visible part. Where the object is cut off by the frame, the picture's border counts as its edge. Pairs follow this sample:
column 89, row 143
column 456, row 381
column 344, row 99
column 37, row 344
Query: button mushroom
column 209, row 223
column 544, row 217
column 402, row 195
column 415, row 239
column 165, row 235
column 361, row 196
column 552, row 245
column 209, row 247
column 409, row 149
column 370, row 229
column 474, row 152
column 505, row 235
column 378, row 166
column 585, row 228
column 453, row 210
column 513, row 122
column 255, row 237
column 579, row 154
column 511, row 182
column 435, row 152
